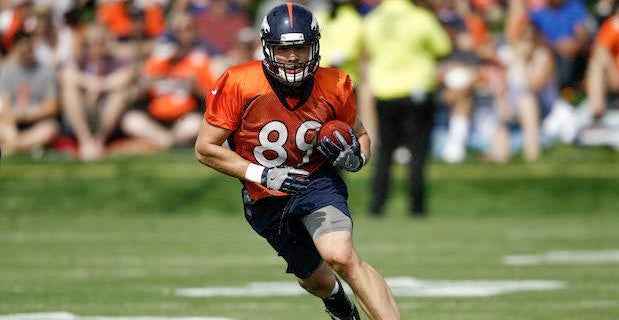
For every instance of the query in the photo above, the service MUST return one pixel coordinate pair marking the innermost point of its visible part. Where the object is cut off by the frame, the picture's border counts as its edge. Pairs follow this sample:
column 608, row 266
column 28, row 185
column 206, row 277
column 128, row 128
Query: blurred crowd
column 97, row 78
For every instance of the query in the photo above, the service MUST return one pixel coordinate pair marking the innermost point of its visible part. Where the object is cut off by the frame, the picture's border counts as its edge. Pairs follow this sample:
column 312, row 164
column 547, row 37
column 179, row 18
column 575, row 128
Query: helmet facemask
column 290, row 24
column 293, row 74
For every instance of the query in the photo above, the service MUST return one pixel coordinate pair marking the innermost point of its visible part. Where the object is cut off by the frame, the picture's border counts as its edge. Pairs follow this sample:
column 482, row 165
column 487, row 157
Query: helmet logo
column 265, row 26
column 290, row 13
column 292, row 37
column 314, row 25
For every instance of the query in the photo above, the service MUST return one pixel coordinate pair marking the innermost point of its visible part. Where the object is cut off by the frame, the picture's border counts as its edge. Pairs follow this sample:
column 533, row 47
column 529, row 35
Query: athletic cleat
column 351, row 315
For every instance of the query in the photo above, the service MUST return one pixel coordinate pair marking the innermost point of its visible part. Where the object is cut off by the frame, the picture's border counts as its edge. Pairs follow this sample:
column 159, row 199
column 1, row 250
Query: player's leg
column 323, row 283
column 368, row 285
column 331, row 230
column 290, row 238
column 320, row 283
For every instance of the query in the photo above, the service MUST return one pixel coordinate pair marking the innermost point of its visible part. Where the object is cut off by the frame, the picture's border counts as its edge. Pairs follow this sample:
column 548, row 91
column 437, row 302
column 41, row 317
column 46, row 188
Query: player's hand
column 347, row 157
column 285, row 179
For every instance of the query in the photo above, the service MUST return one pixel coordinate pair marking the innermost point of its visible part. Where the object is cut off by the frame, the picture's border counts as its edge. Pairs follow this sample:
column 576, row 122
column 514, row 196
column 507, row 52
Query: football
column 328, row 129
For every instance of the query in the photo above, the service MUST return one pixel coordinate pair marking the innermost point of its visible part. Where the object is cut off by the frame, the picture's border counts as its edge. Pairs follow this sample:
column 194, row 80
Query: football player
column 269, row 112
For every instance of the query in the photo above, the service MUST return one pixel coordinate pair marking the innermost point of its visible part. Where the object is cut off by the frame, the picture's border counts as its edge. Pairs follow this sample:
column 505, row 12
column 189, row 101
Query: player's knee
column 342, row 261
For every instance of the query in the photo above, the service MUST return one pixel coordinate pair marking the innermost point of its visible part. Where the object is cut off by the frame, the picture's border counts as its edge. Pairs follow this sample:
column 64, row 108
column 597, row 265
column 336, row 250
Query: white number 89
column 277, row 146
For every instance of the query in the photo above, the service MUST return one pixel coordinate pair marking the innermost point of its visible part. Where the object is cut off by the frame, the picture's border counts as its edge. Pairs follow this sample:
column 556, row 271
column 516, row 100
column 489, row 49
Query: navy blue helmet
column 290, row 25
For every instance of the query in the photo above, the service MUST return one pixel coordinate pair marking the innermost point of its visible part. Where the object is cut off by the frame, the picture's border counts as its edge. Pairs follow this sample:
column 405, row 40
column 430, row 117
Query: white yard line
column 70, row 316
column 564, row 257
column 401, row 287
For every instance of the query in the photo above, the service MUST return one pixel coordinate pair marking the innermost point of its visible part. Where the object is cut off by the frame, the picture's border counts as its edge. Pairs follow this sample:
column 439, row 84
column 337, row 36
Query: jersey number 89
column 277, row 146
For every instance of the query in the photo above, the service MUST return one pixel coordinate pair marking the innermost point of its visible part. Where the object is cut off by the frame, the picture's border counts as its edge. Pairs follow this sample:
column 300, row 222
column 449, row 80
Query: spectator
column 136, row 24
column 603, row 72
column 219, row 25
column 56, row 9
column 28, row 99
column 603, row 10
column 46, row 41
column 531, row 91
column 176, row 77
column 342, row 47
column 458, row 74
column 402, row 75
column 119, row 17
column 95, row 94
column 341, row 37
column 13, row 19
column 244, row 50
column 563, row 24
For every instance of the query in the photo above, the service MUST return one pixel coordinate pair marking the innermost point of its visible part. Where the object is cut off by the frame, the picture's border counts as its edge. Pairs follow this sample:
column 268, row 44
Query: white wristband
column 254, row 173
column 363, row 160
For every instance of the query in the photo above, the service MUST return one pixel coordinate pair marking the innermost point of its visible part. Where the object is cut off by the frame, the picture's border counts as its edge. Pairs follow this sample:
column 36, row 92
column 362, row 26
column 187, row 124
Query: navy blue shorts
column 278, row 220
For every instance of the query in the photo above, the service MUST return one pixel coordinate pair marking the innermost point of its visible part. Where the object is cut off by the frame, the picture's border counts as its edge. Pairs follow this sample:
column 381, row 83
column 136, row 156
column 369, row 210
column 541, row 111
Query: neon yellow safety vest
column 403, row 42
column 341, row 40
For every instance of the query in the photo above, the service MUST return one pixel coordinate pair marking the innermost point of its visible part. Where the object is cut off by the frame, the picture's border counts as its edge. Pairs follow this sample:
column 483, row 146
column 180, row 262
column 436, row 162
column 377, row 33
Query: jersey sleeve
column 224, row 104
column 347, row 109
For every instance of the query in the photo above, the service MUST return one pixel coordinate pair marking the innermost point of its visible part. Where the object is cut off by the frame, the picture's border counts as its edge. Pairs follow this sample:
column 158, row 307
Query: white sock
column 336, row 288
column 458, row 129
column 455, row 143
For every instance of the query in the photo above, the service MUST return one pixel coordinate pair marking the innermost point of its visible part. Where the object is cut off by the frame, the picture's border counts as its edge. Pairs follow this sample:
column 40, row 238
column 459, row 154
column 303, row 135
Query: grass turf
column 117, row 237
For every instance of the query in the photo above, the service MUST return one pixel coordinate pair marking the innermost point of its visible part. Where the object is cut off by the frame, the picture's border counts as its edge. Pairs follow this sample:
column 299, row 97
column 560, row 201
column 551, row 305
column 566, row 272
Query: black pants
column 403, row 122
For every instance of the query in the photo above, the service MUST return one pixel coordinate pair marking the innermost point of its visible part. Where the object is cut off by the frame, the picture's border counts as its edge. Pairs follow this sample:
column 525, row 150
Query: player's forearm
column 221, row 159
column 364, row 140
column 366, row 150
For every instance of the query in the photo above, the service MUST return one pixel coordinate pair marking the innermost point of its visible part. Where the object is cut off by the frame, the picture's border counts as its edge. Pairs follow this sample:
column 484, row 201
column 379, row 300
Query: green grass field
column 117, row 238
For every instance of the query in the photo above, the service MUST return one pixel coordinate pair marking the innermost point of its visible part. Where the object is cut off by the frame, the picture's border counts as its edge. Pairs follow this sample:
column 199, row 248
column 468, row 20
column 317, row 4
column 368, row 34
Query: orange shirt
column 14, row 26
column 115, row 16
column 608, row 37
column 171, row 96
column 477, row 28
column 270, row 133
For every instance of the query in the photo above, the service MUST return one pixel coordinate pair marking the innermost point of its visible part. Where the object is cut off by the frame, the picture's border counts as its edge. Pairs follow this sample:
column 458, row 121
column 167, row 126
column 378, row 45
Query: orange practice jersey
column 268, row 132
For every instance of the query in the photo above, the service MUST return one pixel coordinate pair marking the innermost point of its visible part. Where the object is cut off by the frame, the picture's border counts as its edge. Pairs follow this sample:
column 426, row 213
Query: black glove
column 285, row 179
column 348, row 157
